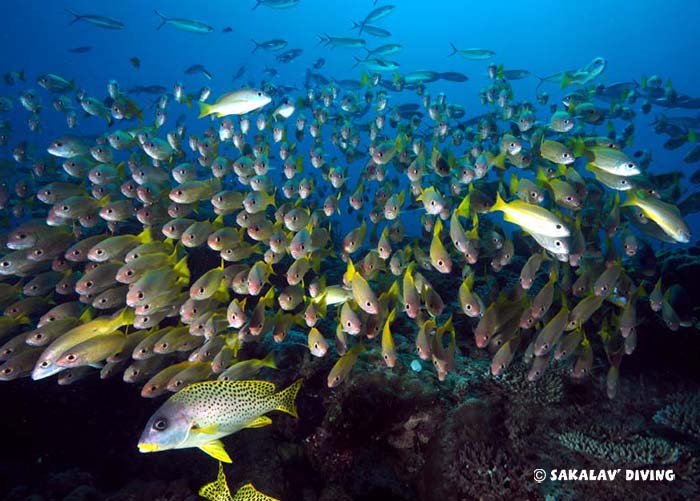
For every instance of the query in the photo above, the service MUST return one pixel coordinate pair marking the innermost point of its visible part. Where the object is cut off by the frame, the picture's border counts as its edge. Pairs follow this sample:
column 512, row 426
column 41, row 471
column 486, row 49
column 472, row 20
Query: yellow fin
column 182, row 270
column 286, row 398
column 259, row 422
column 218, row 489
column 215, row 449
column 221, row 293
column 208, row 430
column 145, row 237
column 269, row 360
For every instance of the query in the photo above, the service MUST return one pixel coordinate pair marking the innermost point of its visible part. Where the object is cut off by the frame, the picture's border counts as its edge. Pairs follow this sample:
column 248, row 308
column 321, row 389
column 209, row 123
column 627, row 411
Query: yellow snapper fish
column 666, row 215
column 202, row 413
column 532, row 218
column 238, row 102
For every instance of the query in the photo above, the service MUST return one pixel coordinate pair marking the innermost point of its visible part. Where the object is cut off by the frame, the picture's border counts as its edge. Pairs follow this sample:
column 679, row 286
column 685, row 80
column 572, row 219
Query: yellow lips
column 148, row 447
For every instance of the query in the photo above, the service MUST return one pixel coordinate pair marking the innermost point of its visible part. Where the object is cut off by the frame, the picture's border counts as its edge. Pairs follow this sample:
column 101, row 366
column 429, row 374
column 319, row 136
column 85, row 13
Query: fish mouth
column 144, row 447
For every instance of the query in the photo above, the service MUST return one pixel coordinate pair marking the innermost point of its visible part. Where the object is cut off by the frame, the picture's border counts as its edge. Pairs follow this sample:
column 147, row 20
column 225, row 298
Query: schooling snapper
column 337, row 204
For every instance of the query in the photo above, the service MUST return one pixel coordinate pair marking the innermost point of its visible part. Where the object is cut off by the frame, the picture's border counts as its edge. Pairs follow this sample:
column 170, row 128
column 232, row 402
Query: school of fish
column 337, row 210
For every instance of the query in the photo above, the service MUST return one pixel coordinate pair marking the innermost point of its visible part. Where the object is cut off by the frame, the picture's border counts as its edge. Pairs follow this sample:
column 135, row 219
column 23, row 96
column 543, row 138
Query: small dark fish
column 81, row 50
column 99, row 21
column 695, row 177
column 135, row 62
column 239, row 73
column 320, row 63
column 453, row 76
column 515, row 74
column 691, row 204
column 147, row 89
column 693, row 155
column 227, row 29
column 289, row 55
column 198, row 68
column 675, row 142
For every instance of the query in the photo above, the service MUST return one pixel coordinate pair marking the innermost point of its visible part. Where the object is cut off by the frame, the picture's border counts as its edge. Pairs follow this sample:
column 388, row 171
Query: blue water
column 639, row 38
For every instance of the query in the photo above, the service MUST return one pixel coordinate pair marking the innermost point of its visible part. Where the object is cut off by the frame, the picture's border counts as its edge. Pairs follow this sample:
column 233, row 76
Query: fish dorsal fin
column 215, row 449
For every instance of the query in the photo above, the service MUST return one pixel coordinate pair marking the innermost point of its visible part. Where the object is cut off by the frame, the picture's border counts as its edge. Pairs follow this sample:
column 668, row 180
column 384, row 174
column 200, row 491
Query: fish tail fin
column 182, row 270
column 286, row 398
column 454, row 50
column 204, row 110
column 357, row 63
column 76, row 17
column 499, row 160
column 145, row 237
column 499, row 204
column 566, row 80
column 541, row 81
column 364, row 79
column 464, row 207
column 324, row 39
column 269, row 360
column 257, row 4
column 217, row 489
column 513, row 185
column 163, row 19
column 257, row 45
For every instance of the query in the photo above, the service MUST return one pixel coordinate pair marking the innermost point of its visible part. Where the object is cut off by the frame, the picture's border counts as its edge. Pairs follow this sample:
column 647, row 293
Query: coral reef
column 681, row 414
column 636, row 452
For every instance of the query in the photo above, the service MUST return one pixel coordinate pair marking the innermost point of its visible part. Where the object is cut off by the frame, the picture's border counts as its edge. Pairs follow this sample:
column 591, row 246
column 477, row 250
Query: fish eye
column 7, row 371
column 160, row 424
column 58, row 143
column 569, row 198
column 557, row 243
column 44, row 364
column 468, row 307
column 65, row 208
column 140, row 295
column 630, row 165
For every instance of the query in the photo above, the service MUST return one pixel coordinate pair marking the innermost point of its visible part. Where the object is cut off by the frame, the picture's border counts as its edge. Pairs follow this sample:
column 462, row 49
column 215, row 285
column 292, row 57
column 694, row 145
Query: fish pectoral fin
column 259, row 422
column 208, row 430
column 215, row 449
